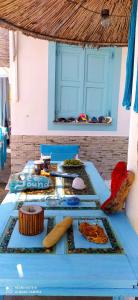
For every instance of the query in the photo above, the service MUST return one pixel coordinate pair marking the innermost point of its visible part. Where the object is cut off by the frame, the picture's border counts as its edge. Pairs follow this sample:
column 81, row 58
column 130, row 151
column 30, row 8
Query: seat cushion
column 121, row 181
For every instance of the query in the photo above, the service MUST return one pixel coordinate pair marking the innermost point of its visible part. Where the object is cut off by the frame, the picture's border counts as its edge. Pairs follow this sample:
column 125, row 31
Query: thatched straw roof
column 69, row 21
column 4, row 47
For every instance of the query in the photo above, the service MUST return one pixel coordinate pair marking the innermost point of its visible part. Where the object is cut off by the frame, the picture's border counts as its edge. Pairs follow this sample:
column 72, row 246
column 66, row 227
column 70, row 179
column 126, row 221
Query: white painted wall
column 29, row 114
column 4, row 72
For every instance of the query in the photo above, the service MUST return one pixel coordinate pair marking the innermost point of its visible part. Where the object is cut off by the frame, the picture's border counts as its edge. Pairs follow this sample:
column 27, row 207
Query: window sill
column 81, row 126
column 81, row 123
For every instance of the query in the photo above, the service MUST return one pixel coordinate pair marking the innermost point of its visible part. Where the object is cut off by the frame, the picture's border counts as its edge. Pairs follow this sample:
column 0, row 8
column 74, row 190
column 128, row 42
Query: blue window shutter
column 69, row 80
column 96, row 85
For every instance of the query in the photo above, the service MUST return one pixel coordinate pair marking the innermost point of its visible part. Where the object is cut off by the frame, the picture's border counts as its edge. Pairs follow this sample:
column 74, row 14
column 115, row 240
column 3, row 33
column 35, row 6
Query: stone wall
column 104, row 152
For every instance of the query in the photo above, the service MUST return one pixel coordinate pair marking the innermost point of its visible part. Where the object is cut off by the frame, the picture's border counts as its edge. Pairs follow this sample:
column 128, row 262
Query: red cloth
column 119, row 174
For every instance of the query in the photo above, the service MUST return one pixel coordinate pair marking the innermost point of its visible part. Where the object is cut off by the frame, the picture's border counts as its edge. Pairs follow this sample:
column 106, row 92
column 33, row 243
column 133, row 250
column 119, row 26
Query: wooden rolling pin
column 57, row 232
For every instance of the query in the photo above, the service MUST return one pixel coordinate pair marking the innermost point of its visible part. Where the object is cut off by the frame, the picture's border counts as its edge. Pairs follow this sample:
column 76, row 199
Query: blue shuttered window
column 85, row 82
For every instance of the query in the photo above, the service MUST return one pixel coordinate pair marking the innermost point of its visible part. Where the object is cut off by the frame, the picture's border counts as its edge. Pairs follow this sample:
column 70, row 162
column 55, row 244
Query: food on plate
column 78, row 184
column 57, row 232
column 44, row 173
column 73, row 162
column 93, row 233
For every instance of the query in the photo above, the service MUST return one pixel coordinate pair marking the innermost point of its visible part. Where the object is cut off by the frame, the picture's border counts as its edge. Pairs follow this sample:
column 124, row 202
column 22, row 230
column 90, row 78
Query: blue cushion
column 1, row 156
column 59, row 152
column 20, row 182
column 3, row 138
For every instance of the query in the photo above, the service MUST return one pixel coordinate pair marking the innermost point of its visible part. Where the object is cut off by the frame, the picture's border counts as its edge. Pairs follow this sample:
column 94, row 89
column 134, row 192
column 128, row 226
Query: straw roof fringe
column 68, row 21
column 4, row 47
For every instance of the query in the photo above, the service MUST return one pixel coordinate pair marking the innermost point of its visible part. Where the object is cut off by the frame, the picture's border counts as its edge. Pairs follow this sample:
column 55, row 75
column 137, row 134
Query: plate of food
column 73, row 163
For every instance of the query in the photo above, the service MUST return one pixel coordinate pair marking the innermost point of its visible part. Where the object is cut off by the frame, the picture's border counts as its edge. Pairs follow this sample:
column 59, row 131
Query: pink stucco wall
column 29, row 114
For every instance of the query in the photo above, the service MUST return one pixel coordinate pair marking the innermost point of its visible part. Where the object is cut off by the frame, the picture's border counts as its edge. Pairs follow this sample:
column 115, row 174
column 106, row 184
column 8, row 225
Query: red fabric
column 119, row 174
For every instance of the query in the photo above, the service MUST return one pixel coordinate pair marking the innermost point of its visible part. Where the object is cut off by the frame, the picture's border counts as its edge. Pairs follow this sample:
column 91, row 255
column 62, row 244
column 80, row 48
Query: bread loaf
column 57, row 232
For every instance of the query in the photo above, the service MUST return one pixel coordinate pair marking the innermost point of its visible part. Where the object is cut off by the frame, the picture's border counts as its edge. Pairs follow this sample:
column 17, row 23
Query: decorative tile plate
column 76, row 243
column 51, row 190
column 84, row 205
column 67, row 183
column 13, row 242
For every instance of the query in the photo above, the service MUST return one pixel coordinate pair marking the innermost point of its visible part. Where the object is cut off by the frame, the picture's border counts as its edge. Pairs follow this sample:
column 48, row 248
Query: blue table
column 62, row 271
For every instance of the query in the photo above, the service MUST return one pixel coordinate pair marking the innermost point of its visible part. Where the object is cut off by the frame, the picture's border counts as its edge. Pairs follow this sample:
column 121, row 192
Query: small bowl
column 78, row 184
column 72, row 201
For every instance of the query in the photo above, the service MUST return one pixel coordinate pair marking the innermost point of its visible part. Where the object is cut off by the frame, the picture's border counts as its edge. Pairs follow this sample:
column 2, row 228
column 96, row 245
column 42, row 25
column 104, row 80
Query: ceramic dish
column 73, row 165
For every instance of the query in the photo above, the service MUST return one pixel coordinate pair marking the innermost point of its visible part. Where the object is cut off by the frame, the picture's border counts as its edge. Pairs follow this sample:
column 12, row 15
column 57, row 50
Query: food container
column 72, row 201
column 31, row 220
column 38, row 166
column 46, row 160
column 78, row 184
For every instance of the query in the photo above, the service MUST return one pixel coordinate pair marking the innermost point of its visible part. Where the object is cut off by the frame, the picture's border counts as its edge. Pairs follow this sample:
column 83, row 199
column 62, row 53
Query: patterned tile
column 7, row 234
column 112, row 247
column 85, row 205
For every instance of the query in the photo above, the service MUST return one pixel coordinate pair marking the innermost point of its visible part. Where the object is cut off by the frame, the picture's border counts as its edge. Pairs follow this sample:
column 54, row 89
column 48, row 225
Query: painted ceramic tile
column 84, row 204
column 24, row 244
column 51, row 190
column 67, row 183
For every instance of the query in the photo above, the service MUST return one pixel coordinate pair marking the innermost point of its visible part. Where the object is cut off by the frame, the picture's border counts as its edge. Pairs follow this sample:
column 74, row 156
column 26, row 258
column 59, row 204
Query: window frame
column 51, row 96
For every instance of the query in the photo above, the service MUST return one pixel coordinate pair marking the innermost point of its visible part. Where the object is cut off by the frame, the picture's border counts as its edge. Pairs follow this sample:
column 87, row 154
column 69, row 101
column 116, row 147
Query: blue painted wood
column 59, row 152
column 97, row 74
column 73, row 84
column 1, row 297
column 120, row 221
column 32, row 290
column 69, row 80
column 68, row 271
column 74, row 274
column 118, row 298
column 83, row 203
column 97, row 181
column 1, row 102
column 19, row 241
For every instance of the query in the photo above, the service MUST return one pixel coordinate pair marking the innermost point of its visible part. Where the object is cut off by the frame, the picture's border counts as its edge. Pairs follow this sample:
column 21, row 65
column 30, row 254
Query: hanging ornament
column 105, row 18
